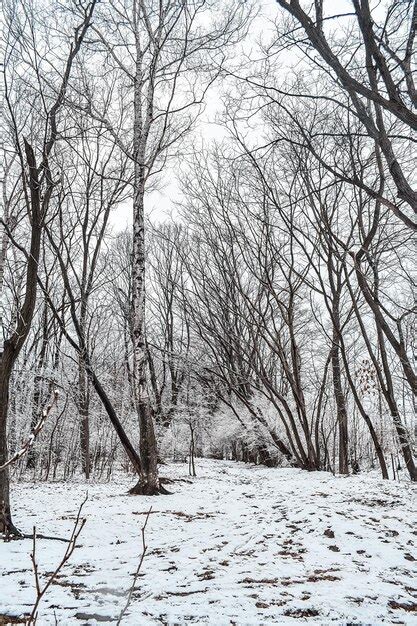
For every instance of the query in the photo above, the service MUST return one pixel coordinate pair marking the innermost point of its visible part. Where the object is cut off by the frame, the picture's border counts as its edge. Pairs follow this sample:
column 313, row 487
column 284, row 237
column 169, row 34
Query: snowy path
column 239, row 545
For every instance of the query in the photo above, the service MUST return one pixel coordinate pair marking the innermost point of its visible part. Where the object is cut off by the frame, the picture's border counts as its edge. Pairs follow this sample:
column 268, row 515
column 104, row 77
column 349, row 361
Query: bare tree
column 38, row 183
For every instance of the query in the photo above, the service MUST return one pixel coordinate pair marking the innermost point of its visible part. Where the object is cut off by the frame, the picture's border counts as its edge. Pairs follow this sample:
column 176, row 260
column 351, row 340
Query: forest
column 208, row 333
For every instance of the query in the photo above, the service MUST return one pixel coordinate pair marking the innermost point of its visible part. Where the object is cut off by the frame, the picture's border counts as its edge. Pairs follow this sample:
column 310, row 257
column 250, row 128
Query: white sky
column 161, row 204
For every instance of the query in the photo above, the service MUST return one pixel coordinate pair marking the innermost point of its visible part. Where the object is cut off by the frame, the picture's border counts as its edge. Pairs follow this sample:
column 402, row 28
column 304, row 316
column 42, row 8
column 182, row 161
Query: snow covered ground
column 237, row 545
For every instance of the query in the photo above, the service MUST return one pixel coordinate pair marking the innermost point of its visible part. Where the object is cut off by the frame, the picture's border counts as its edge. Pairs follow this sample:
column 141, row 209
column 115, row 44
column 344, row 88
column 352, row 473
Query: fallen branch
column 142, row 556
column 40, row 536
column 35, row 432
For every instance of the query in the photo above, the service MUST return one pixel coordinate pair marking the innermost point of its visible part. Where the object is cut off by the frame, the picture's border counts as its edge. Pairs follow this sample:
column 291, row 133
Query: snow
column 239, row 544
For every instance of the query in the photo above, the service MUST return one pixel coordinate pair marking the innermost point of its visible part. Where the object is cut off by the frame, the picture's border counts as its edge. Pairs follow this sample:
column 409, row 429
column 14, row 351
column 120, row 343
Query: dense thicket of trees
column 270, row 318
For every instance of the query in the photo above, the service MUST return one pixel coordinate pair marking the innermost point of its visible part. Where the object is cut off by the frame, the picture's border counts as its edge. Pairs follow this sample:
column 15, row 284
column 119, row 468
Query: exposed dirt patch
column 410, row 607
column 96, row 617
column 300, row 613
column 259, row 581
column 6, row 619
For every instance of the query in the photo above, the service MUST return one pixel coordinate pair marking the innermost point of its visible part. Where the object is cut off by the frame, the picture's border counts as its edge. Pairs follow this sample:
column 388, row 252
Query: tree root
column 15, row 536
column 12, row 533
column 170, row 481
column 143, row 488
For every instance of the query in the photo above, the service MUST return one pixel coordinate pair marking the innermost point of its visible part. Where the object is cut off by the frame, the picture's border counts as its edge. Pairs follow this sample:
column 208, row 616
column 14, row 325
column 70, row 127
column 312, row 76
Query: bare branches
column 317, row 38
column 372, row 83
column 72, row 544
column 80, row 32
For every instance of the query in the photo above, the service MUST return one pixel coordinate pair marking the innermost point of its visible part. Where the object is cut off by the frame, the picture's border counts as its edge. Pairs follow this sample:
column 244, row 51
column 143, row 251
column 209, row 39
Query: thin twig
column 40, row 592
column 142, row 556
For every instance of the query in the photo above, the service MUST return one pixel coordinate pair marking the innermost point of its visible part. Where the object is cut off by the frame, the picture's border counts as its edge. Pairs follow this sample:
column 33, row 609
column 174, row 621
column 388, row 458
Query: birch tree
column 160, row 59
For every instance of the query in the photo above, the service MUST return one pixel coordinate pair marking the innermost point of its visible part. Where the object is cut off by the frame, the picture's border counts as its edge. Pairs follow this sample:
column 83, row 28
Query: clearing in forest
column 237, row 545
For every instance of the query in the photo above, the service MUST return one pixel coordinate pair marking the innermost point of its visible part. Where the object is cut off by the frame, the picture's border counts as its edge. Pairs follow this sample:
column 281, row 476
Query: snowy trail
column 237, row 545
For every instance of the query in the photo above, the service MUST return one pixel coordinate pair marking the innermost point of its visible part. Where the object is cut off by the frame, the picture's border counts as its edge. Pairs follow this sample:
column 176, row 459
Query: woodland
column 207, row 253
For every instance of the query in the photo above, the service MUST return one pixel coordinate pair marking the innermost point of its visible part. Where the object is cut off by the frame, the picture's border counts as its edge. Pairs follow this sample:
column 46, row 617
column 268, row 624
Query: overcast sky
column 161, row 203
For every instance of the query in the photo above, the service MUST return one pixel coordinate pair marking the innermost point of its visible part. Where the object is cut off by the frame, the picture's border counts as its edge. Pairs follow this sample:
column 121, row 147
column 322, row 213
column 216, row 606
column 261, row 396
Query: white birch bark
column 143, row 111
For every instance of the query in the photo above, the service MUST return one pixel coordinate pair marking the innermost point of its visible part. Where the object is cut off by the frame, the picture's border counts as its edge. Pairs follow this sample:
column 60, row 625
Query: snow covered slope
column 237, row 545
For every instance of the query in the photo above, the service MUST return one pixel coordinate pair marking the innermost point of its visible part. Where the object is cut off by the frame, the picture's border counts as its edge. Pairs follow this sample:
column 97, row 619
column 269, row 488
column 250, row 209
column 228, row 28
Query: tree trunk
column 377, row 445
column 148, row 483
column 83, row 410
column 6, row 525
column 13, row 345
column 191, row 464
column 37, row 386
column 402, row 433
column 340, row 405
